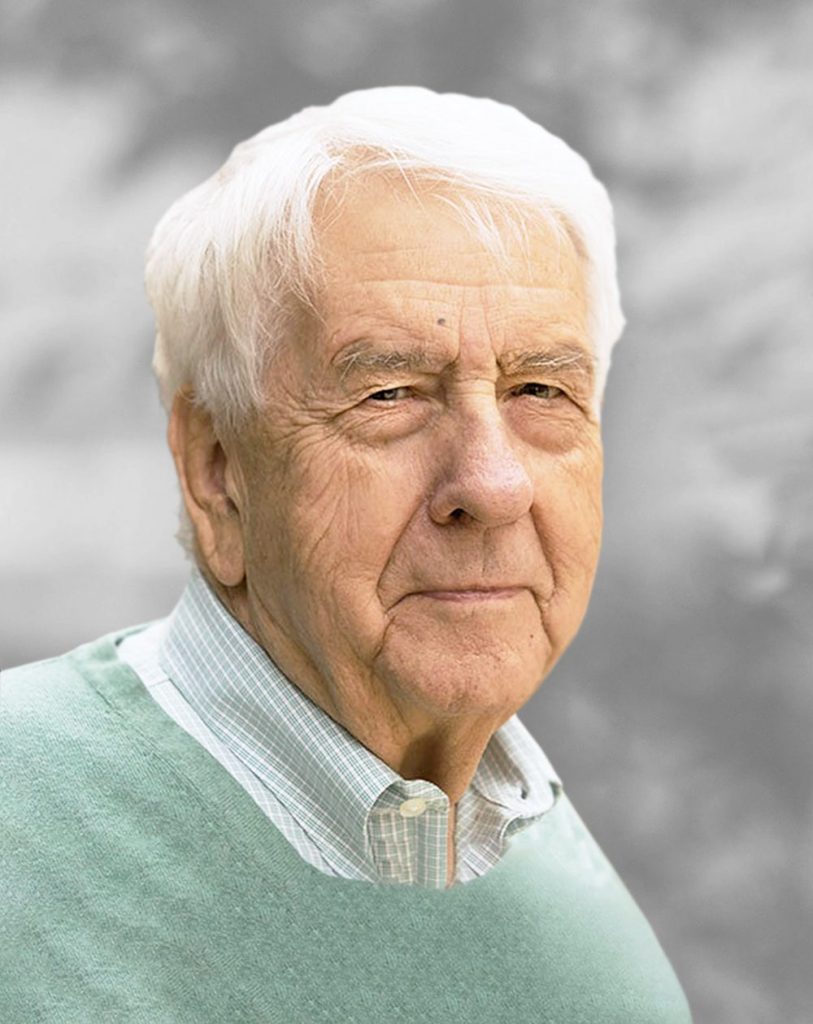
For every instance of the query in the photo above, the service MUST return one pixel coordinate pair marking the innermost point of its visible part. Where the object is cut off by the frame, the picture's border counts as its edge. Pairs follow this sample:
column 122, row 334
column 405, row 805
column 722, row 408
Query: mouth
column 472, row 594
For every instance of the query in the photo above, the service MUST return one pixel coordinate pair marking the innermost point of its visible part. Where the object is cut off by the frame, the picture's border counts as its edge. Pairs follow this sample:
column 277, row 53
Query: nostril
column 456, row 513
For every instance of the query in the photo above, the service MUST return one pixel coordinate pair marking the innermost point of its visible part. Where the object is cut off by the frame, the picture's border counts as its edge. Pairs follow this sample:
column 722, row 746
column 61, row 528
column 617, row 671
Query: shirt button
column 413, row 807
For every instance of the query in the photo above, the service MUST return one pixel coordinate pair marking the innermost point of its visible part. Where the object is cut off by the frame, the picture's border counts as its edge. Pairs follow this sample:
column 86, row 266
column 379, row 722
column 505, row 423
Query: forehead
column 403, row 262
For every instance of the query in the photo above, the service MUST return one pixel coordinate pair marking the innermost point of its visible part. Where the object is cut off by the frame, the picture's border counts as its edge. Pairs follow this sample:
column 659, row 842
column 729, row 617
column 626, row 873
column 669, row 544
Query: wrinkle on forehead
column 406, row 285
column 375, row 217
column 453, row 265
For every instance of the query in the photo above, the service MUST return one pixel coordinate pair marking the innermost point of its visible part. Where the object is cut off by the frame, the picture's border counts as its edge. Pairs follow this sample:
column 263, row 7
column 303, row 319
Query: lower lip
column 471, row 595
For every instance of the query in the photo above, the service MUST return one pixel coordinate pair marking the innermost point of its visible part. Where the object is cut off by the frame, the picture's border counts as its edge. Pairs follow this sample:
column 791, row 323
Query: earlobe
column 207, row 482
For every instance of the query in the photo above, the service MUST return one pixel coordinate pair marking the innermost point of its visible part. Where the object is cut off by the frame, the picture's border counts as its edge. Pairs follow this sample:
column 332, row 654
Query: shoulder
column 58, row 717
column 58, row 690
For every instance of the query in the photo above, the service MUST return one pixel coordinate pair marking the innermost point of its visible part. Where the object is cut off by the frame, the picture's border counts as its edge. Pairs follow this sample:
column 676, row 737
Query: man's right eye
column 389, row 394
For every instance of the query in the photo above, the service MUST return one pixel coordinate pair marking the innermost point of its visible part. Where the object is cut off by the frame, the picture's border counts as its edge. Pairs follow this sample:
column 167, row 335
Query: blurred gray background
column 680, row 718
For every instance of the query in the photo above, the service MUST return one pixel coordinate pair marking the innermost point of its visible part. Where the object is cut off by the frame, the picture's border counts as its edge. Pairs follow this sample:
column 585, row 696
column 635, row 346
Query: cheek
column 334, row 516
column 568, row 515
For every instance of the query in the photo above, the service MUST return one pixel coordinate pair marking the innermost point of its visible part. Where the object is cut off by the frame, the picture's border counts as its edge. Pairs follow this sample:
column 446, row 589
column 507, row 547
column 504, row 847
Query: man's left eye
column 389, row 394
column 536, row 390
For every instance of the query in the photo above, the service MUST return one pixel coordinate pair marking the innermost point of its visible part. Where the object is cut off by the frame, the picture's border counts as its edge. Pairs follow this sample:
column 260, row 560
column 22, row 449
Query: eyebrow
column 558, row 356
column 365, row 356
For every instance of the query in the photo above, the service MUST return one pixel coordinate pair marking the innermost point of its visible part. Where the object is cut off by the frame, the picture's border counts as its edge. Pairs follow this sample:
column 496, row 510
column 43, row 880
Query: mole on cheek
column 442, row 321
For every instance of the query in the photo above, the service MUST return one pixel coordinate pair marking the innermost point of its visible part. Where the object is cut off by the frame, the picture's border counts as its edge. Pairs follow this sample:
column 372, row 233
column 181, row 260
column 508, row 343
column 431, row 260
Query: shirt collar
column 328, row 780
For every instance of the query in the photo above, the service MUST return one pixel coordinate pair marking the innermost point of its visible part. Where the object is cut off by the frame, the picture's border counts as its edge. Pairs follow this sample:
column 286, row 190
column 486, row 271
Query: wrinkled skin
column 414, row 544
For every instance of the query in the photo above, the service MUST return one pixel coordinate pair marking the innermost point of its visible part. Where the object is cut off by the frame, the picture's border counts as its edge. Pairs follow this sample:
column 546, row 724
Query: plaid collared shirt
column 341, row 807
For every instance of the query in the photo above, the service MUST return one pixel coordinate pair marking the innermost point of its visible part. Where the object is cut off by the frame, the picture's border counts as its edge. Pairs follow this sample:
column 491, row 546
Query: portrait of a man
column 383, row 332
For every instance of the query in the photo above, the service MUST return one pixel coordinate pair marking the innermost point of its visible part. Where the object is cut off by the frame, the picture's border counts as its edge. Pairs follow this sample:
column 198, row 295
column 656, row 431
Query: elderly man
column 384, row 328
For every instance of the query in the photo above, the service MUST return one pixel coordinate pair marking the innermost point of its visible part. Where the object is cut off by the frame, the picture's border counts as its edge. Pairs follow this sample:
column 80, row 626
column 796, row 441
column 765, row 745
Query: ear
column 208, row 479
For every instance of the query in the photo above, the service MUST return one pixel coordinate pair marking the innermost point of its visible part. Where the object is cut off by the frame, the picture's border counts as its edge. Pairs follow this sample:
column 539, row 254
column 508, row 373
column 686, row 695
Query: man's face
column 420, row 505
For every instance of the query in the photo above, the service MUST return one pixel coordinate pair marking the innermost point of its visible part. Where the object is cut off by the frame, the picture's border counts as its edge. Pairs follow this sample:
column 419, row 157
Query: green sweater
column 140, row 883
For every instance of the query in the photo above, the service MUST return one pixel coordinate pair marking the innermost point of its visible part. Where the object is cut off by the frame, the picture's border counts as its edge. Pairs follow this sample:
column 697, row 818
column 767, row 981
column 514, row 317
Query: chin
column 455, row 683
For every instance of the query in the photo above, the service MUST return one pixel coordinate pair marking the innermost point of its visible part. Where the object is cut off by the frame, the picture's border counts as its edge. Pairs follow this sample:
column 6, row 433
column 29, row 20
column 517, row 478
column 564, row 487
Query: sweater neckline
column 246, row 828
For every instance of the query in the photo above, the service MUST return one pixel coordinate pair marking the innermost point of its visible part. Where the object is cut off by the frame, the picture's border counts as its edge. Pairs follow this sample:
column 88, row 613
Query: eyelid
column 542, row 384
column 390, row 387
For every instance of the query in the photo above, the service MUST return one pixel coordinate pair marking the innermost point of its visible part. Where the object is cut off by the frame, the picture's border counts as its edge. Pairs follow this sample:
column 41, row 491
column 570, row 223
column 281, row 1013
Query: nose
column 482, row 477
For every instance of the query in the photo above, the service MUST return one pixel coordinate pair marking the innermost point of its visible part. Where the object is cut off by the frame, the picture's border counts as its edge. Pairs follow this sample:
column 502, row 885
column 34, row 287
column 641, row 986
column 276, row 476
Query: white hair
column 229, row 260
